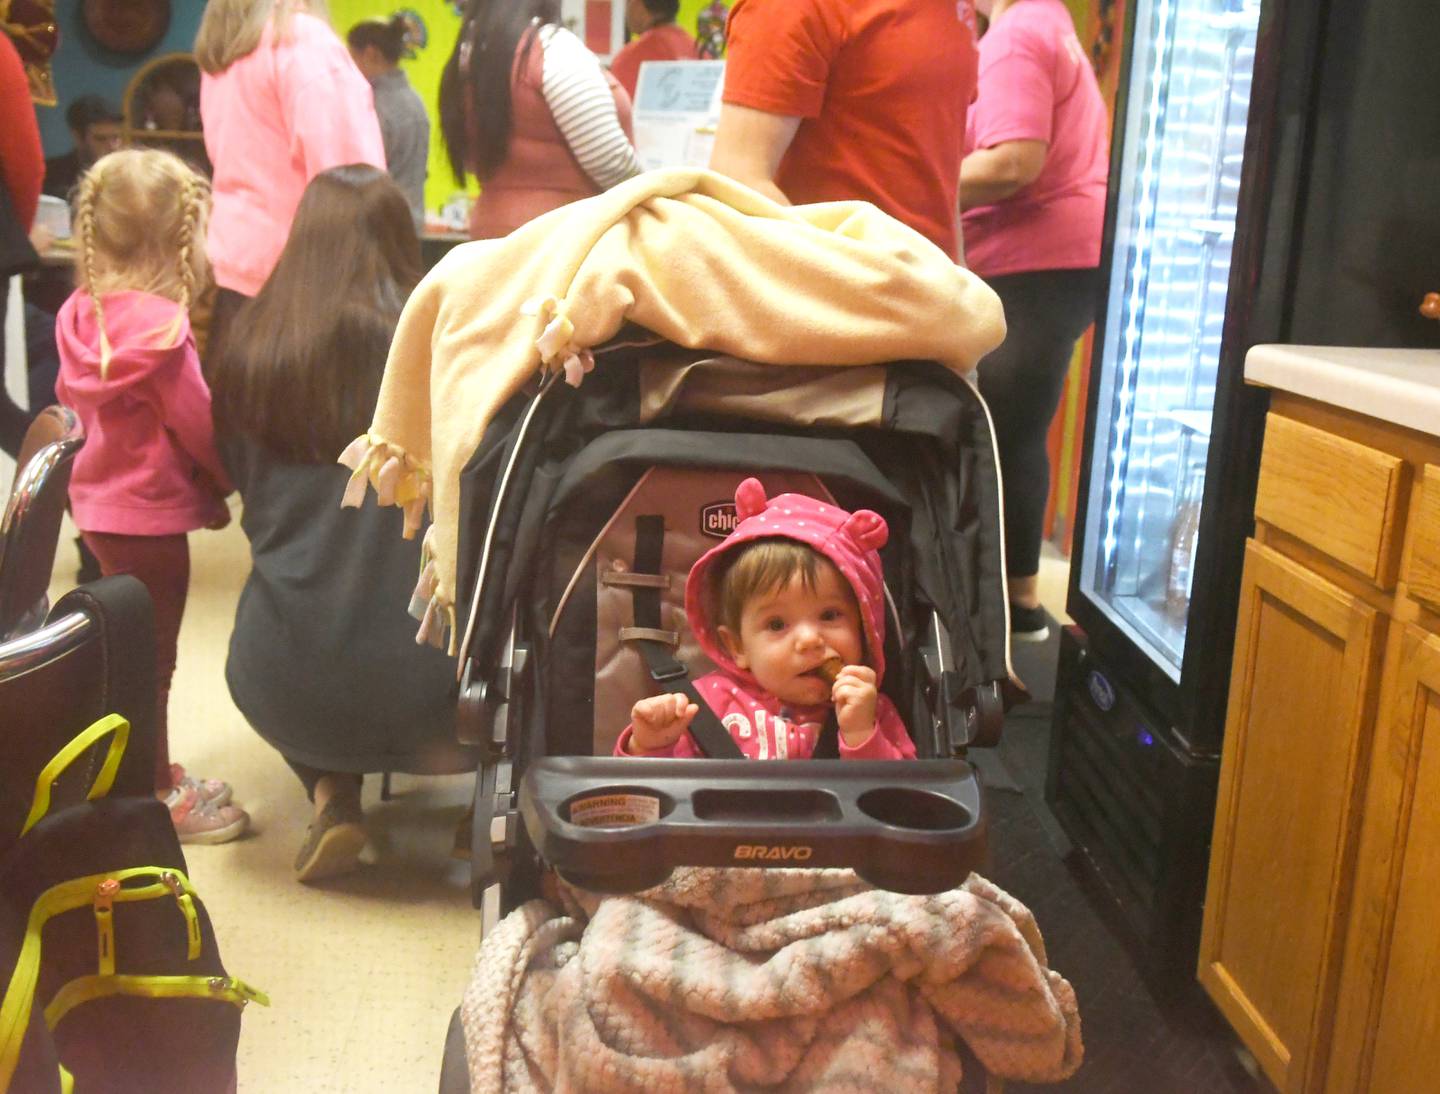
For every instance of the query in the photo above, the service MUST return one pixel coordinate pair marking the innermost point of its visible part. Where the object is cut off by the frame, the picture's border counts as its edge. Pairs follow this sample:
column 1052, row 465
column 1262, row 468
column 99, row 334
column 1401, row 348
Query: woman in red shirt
column 835, row 100
column 657, row 38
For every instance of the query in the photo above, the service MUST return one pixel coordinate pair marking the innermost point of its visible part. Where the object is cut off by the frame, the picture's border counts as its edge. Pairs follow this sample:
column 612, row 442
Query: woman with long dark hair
column 527, row 110
column 323, row 662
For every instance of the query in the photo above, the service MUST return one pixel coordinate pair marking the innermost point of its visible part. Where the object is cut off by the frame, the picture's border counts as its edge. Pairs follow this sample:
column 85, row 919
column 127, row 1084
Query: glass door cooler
column 1171, row 448
column 1164, row 314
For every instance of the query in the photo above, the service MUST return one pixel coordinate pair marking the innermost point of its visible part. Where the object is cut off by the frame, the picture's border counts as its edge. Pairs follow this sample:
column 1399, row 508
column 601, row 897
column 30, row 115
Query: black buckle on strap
column 663, row 673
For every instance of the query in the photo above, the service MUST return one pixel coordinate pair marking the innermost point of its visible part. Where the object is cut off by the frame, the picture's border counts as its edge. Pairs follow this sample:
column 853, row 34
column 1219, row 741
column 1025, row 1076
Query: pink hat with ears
column 851, row 541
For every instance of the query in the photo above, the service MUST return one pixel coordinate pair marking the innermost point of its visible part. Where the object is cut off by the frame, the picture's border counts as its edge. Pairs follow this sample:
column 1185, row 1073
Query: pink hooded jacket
column 148, row 466
column 758, row 723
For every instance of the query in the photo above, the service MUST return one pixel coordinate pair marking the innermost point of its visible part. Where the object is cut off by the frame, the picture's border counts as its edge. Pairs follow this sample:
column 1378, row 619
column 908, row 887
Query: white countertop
column 1401, row 386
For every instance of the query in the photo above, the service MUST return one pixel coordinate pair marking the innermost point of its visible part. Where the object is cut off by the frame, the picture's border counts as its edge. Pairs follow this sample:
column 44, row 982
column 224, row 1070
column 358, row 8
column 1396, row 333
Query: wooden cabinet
column 1422, row 566
column 1321, row 941
column 1295, row 733
column 1390, row 1027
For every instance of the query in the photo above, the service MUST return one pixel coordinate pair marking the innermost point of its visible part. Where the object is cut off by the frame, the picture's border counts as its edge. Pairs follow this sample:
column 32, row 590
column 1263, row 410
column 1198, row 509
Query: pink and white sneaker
column 198, row 821
column 211, row 791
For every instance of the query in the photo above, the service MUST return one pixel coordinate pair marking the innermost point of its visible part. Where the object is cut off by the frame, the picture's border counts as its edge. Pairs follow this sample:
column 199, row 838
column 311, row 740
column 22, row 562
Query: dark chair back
column 94, row 656
column 30, row 525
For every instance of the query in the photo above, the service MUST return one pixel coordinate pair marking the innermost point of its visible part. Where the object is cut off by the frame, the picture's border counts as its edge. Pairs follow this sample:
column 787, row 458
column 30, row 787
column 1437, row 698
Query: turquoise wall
column 83, row 67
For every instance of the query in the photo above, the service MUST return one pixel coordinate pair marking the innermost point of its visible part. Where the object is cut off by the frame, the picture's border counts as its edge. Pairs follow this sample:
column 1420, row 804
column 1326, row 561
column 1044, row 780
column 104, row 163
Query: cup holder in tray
column 910, row 826
column 909, row 807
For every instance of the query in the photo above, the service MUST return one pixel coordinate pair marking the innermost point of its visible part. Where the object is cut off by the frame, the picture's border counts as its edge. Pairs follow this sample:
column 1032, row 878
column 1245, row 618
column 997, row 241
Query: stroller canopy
column 692, row 256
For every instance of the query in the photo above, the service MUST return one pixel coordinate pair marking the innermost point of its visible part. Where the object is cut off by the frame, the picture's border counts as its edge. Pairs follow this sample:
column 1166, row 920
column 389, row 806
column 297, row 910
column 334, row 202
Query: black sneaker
column 1028, row 624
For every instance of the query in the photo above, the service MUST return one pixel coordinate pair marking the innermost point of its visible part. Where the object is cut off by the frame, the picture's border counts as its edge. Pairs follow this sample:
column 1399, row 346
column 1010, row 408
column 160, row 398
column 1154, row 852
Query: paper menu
column 677, row 106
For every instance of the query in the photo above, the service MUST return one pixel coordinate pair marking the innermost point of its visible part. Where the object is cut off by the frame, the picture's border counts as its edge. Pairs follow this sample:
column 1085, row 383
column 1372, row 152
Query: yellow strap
column 110, row 724
column 105, row 939
column 67, row 1081
column 79, row 892
column 195, row 941
column 222, row 989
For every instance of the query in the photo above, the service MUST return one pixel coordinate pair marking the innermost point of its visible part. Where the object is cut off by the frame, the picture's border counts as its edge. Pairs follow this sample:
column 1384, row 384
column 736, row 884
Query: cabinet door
column 1297, row 731
column 1388, row 1035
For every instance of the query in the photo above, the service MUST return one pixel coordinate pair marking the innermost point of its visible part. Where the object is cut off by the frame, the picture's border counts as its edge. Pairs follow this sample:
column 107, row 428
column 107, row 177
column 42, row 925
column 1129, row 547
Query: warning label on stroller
column 615, row 810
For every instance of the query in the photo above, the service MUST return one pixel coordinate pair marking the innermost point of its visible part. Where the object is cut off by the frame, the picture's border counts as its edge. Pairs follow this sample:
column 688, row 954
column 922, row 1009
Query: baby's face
column 787, row 633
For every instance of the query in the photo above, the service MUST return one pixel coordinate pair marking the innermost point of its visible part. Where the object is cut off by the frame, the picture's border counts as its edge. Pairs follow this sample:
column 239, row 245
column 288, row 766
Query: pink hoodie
column 274, row 120
column 756, row 720
column 148, row 466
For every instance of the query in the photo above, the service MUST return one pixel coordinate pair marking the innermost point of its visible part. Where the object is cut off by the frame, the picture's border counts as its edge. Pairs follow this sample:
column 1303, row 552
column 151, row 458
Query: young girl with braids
column 148, row 472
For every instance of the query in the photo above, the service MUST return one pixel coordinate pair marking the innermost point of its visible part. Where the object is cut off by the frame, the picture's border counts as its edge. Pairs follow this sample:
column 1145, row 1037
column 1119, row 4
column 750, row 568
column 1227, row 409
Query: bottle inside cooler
column 1184, row 532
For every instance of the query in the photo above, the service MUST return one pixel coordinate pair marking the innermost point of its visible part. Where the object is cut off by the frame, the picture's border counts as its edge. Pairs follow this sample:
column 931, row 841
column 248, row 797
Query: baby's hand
column 221, row 519
column 659, row 721
column 855, row 699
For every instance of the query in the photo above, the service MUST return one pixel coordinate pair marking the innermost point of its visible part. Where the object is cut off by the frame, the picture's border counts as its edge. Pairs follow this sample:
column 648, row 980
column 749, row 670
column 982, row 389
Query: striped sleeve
column 584, row 108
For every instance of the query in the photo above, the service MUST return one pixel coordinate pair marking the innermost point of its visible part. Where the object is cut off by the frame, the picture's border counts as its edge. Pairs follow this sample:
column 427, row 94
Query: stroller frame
column 915, row 827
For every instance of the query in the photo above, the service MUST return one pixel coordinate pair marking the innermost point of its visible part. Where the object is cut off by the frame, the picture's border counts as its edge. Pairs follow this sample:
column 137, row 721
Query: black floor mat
column 1132, row 1044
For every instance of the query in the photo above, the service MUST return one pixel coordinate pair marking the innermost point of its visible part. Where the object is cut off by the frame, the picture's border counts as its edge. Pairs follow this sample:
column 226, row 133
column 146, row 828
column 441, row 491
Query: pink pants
column 162, row 565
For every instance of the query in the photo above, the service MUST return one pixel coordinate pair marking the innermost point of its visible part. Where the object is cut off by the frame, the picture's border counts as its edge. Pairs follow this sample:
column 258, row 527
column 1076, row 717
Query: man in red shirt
column 829, row 100
column 657, row 38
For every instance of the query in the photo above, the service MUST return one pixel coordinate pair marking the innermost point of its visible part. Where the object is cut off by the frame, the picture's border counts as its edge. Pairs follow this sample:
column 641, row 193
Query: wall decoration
column 126, row 26
column 417, row 36
column 31, row 26
column 710, row 30
column 1107, row 33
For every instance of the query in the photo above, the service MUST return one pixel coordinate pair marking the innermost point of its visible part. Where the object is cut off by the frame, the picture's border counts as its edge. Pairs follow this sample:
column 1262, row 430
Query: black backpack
column 110, row 961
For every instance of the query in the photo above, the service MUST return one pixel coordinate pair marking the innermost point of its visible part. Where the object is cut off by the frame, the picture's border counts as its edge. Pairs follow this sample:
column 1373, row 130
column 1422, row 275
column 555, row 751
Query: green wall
column 688, row 11
column 442, row 24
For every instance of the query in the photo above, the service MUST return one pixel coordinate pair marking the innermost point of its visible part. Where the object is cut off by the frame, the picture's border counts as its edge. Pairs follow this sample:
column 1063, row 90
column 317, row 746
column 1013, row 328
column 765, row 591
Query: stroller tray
column 621, row 825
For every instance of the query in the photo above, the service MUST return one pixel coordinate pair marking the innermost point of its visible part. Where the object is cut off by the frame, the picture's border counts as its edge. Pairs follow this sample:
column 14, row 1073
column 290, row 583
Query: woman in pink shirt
column 280, row 100
column 1032, row 195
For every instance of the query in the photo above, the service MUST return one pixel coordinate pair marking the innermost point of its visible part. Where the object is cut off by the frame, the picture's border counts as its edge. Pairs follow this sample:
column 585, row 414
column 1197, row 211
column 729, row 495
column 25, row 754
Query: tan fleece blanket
column 765, row 980
column 692, row 256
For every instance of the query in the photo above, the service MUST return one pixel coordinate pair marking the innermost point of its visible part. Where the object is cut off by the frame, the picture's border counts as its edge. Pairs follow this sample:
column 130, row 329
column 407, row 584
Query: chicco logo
column 719, row 519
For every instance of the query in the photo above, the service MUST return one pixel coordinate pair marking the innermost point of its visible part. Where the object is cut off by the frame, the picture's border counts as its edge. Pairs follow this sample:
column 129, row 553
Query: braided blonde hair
column 140, row 218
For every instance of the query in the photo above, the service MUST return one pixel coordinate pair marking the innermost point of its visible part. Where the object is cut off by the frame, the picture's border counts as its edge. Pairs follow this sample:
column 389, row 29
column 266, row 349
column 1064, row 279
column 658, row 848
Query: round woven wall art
column 126, row 26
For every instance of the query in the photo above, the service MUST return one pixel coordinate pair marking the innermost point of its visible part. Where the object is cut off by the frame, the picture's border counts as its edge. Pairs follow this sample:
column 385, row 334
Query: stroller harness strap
column 649, row 634
column 670, row 673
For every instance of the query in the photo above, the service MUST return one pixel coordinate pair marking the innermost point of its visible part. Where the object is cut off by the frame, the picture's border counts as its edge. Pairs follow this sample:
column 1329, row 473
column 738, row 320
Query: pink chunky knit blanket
column 766, row 980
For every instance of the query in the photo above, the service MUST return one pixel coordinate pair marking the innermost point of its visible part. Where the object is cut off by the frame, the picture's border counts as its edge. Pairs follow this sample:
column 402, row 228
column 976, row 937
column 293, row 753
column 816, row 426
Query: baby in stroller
column 791, row 606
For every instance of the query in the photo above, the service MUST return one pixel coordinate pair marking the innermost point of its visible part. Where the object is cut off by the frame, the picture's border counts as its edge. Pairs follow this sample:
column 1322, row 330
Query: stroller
column 582, row 511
